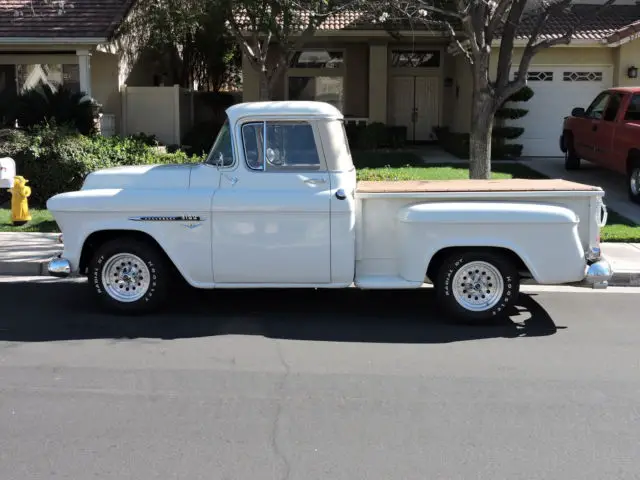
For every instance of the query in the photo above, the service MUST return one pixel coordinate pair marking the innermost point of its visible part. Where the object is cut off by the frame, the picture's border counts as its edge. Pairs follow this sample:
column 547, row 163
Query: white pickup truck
column 277, row 205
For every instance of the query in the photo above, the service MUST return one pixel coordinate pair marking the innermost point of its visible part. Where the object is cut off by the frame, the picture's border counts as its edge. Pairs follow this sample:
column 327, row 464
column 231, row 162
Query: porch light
column 632, row 72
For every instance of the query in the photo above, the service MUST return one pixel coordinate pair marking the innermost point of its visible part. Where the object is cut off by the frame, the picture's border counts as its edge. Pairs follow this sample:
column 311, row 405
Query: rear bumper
column 598, row 273
column 59, row 267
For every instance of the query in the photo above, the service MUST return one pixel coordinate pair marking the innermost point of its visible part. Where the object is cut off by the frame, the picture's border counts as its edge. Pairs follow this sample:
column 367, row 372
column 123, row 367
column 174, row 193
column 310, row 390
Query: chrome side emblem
column 191, row 226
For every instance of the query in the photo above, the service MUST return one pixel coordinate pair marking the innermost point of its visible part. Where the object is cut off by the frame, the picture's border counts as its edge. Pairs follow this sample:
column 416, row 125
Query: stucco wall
column 627, row 55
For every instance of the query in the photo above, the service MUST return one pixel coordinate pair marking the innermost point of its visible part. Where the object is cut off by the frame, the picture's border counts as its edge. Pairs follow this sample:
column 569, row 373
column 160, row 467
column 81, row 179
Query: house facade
column 416, row 80
column 72, row 44
column 57, row 43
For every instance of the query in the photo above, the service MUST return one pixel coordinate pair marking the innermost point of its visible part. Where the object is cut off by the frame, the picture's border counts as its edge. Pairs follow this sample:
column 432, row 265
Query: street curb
column 625, row 279
column 25, row 269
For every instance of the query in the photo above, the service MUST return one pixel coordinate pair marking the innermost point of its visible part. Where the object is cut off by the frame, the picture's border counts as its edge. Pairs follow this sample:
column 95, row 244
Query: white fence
column 166, row 112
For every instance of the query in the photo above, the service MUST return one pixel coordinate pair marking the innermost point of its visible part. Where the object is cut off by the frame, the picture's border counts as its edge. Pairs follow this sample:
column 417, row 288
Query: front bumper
column 59, row 267
column 598, row 273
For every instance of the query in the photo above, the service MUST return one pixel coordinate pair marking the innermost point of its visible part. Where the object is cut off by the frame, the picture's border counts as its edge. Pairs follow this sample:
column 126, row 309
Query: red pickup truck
column 607, row 133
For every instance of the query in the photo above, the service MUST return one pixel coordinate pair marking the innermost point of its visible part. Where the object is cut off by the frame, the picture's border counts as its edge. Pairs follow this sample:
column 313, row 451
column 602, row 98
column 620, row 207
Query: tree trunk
column 480, row 137
column 265, row 93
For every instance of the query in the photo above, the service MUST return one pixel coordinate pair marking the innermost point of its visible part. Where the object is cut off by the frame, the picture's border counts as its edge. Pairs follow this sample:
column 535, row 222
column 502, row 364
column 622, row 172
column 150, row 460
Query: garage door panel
column 557, row 90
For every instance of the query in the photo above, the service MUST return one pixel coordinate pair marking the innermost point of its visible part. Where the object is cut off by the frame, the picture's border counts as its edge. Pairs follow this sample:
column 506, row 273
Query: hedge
column 57, row 159
column 375, row 135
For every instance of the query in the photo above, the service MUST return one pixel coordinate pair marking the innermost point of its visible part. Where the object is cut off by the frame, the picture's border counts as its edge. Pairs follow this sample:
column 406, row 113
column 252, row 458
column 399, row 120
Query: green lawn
column 41, row 221
column 406, row 167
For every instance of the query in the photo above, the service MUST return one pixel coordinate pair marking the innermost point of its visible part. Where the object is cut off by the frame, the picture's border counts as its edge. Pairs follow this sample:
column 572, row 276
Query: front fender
column 545, row 237
column 178, row 220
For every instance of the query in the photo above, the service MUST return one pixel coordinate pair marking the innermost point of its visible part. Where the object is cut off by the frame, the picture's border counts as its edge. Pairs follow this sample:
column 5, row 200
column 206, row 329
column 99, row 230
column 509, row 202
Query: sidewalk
column 27, row 254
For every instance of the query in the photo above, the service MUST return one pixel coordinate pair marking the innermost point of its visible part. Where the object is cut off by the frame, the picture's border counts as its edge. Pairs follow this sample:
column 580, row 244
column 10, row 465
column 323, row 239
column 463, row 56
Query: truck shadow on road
column 57, row 311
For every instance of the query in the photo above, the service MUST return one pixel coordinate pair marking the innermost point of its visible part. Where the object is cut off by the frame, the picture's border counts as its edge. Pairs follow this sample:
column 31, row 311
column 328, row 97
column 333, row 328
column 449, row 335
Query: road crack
column 278, row 416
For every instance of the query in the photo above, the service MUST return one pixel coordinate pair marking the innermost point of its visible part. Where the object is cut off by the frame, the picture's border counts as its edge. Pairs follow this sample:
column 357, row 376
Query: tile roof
column 606, row 23
column 61, row 18
column 616, row 18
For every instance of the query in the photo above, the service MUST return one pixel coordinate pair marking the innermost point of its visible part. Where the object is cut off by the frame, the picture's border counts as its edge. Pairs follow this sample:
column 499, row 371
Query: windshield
column 221, row 153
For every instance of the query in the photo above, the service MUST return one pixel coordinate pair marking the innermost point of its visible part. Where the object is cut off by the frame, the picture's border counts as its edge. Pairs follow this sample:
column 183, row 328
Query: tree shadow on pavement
column 65, row 310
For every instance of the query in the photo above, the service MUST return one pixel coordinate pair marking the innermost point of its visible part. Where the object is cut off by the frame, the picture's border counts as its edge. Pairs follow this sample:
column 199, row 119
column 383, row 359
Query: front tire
column 633, row 181
column 571, row 158
column 129, row 276
column 477, row 286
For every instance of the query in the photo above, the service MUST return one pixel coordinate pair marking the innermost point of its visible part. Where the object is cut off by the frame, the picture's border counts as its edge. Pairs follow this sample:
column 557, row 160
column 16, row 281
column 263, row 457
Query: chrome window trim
column 315, row 167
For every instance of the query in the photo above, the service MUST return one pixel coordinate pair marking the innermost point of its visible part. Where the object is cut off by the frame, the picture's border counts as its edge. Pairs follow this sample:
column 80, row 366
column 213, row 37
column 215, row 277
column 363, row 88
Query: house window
column 317, row 59
column 582, row 76
column 287, row 146
column 54, row 75
column 415, row 59
column 537, row 76
column 317, row 75
column 320, row 89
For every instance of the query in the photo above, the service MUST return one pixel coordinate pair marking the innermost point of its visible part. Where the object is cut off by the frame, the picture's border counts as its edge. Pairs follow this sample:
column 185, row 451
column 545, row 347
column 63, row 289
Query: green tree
column 192, row 31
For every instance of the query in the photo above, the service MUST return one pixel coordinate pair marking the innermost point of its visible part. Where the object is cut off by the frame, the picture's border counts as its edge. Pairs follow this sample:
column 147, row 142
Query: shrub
column 43, row 104
column 57, row 159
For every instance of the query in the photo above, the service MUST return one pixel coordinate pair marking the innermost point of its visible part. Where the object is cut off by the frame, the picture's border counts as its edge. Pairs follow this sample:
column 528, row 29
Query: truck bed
column 502, row 185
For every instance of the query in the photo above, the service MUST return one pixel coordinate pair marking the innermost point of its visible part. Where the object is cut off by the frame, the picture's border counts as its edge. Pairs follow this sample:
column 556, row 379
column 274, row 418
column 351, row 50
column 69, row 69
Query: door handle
column 315, row 181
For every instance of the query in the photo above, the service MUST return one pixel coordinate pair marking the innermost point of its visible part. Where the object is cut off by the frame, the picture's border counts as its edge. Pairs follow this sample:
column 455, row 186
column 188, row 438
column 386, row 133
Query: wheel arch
column 633, row 157
column 438, row 258
column 98, row 238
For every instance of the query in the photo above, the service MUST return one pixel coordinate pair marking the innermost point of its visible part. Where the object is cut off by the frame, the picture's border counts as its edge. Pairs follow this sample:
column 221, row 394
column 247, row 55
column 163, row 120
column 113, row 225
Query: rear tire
column 477, row 286
column 571, row 158
column 633, row 180
column 129, row 276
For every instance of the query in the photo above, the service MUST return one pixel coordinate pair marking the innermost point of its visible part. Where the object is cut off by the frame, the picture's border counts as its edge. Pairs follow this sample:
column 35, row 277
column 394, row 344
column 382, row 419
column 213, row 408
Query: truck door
column 585, row 136
column 604, row 132
column 271, row 214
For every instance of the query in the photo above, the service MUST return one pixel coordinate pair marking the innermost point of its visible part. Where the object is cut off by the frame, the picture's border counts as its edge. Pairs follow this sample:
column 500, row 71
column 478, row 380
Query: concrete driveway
column 614, row 184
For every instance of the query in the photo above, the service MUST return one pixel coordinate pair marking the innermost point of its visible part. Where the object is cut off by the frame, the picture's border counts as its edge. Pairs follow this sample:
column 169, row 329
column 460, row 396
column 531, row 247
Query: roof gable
column 61, row 18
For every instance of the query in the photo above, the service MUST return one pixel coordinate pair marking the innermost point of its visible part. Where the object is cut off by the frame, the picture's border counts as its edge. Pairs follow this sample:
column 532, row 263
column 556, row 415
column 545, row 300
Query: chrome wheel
column 634, row 180
column 478, row 286
column 125, row 277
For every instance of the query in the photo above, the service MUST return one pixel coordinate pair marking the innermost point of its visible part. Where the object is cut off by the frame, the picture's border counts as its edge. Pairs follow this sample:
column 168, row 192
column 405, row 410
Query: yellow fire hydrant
column 19, row 204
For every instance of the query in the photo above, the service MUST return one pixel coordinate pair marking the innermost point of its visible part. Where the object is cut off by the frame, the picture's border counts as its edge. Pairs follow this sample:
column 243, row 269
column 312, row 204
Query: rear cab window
column 632, row 115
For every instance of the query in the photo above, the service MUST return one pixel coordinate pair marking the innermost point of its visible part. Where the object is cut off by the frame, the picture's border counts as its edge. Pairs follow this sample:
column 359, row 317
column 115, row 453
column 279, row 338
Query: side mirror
column 578, row 112
column 220, row 161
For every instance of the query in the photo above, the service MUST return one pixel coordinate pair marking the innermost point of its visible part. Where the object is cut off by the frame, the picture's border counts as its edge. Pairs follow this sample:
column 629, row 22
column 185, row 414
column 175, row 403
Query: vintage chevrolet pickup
column 276, row 204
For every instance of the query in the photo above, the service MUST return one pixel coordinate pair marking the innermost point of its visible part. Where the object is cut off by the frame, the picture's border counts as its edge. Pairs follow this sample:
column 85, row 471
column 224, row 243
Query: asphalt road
column 317, row 385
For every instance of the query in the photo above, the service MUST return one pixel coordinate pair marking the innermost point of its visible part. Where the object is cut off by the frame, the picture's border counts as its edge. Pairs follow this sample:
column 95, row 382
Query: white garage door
column 557, row 90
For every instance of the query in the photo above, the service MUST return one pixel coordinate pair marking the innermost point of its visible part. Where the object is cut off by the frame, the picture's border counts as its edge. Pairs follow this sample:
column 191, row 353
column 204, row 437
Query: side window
column 286, row 146
column 613, row 106
column 596, row 109
column 253, row 141
column 222, row 152
column 633, row 111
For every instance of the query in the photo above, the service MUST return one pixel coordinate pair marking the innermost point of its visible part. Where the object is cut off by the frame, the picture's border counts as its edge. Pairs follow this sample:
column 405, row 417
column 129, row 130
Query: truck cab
column 607, row 133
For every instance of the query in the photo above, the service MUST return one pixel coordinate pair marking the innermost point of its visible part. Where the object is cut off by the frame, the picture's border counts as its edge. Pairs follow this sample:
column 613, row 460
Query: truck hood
column 140, row 176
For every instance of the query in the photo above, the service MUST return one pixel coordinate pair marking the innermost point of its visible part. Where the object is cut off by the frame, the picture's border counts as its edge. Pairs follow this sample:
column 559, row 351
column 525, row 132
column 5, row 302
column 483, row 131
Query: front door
column 271, row 215
column 414, row 104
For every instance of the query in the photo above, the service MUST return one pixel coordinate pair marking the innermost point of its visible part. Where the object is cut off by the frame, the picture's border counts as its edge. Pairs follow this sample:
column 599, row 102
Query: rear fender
column 544, row 237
